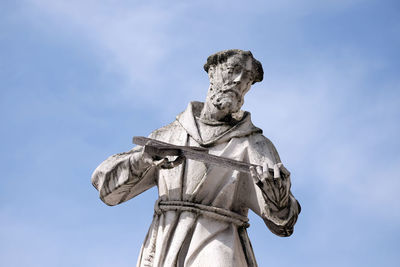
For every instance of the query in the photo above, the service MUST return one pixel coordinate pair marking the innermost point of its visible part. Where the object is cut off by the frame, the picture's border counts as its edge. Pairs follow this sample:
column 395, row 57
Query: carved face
column 229, row 82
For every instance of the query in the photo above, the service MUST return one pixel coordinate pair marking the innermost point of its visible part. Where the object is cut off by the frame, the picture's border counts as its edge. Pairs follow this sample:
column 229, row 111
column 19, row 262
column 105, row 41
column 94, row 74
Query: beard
column 225, row 98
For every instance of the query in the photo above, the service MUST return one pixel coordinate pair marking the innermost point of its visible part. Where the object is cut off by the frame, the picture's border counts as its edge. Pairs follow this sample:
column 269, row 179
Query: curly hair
column 222, row 56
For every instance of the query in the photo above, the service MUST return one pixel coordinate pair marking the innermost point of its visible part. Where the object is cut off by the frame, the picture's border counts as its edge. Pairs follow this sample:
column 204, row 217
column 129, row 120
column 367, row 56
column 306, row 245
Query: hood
column 187, row 120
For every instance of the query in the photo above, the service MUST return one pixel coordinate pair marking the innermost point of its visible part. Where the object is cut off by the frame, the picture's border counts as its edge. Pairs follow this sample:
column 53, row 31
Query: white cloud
column 132, row 40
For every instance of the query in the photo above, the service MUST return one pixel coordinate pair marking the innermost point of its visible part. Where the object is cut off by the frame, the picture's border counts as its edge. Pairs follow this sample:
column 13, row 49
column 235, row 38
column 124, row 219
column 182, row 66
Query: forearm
column 118, row 174
column 272, row 200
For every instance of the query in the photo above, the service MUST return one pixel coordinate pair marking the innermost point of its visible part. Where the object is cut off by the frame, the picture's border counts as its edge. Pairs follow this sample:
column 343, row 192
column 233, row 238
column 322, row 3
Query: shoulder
column 171, row 133
column 167, row 130
column 262, row 146
column 259, row 140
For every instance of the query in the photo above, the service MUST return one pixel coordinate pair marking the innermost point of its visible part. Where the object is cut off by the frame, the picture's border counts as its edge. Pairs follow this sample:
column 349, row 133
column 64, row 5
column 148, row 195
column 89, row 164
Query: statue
column 211, row 165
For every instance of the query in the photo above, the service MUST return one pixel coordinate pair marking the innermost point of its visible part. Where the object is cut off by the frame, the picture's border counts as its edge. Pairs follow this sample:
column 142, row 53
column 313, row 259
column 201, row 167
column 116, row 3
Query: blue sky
column 80, row 78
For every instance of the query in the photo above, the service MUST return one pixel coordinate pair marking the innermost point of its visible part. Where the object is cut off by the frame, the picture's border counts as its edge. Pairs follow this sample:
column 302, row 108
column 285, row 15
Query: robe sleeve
column 279, row 221
column 123, row 176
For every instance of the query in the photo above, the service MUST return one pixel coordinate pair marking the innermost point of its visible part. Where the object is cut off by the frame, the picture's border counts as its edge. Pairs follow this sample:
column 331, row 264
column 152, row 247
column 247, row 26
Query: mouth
column 226, row 99
column 230, row 90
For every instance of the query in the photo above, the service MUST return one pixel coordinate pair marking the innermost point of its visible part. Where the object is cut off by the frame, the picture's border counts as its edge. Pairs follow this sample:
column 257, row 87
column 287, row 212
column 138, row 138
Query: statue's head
column 231, row 73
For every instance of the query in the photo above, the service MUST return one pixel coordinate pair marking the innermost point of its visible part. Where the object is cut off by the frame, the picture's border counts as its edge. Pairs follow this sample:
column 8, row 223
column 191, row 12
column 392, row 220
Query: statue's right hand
column 163, row 163
column 276, row 187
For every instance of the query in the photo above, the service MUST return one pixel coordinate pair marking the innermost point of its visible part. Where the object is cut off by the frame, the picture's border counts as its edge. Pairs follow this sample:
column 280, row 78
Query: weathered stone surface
column 200, row 217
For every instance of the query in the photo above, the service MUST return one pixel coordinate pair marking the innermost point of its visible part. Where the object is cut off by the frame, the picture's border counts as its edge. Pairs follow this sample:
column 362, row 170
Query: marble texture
column 200, row 218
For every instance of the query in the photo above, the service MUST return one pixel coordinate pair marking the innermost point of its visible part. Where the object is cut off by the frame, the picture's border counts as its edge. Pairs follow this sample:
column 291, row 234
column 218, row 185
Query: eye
column 238, row 69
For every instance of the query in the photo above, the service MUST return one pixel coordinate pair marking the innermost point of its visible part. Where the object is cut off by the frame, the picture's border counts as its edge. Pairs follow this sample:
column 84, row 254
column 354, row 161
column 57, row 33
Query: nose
column 238, row 78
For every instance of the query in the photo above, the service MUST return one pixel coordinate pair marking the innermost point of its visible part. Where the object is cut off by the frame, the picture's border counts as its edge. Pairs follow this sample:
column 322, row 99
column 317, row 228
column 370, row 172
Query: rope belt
column 209, row 211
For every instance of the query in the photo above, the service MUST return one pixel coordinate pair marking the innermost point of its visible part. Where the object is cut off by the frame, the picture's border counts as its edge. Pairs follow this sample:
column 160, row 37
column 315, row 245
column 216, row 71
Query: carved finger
column 270, row 195
column 283, row 169
column 278, row 182
column 162, row 163
column 272, row 189
column 277, row 172
column 282, row 188
column 276, row 188
column 259, row 170
column 266, row 170
column 284, row 201
column 254, row 174
column 178, row 161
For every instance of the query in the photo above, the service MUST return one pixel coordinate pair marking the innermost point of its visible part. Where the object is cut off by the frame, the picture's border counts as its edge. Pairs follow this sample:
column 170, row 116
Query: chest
column 210, row 132
column 198, row 182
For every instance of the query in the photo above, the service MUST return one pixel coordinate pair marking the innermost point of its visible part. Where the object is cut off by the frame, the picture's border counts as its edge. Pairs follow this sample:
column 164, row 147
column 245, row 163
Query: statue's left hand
column 277, row 187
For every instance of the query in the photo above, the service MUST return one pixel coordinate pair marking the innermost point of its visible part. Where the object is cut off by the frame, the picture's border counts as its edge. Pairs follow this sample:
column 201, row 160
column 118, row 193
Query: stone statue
column 200, row 218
